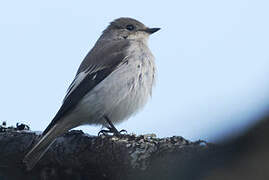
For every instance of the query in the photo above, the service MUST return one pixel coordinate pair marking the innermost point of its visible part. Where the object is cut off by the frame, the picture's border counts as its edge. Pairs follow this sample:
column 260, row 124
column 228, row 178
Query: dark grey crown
column 124, row 22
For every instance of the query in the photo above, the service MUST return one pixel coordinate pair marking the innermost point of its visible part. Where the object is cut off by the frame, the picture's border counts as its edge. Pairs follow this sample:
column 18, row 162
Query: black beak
column 152, row 30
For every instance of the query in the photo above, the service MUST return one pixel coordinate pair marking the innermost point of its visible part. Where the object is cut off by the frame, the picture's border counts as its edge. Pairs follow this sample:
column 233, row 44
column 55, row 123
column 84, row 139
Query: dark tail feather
column 36, row 153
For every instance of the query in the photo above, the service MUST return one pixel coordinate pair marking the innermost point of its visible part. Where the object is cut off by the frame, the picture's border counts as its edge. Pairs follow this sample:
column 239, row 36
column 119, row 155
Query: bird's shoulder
column 105, row 54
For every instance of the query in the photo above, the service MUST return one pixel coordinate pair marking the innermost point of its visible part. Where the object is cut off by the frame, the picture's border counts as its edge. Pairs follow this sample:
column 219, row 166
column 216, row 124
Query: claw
column 103, row 132
column 123, row 131
column 108, row 131
column 111, row 129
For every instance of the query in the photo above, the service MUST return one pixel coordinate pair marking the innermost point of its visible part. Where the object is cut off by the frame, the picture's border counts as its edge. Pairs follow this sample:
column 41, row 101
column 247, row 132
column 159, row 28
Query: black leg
column 111, row 129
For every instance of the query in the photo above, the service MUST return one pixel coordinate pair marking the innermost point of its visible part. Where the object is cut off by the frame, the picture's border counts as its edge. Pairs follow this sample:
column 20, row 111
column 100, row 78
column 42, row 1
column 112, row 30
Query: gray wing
column 100, row 62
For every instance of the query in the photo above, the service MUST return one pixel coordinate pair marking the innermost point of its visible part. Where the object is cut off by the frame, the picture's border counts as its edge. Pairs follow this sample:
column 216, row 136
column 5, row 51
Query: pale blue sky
column 212, row 59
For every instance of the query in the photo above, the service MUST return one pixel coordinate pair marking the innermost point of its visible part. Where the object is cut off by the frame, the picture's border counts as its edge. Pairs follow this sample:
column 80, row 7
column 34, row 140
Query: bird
column 113, row 82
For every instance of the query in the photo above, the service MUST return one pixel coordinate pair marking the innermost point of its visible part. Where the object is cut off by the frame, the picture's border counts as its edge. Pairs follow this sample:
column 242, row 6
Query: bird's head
column 128, row 28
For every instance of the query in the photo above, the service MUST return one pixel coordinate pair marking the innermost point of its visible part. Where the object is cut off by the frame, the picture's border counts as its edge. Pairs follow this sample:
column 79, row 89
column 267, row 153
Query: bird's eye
column 130, row 27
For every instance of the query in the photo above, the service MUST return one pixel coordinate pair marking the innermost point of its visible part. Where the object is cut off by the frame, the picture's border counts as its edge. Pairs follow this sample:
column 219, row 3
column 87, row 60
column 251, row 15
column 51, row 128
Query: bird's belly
column 139, row 90
column 135, row 100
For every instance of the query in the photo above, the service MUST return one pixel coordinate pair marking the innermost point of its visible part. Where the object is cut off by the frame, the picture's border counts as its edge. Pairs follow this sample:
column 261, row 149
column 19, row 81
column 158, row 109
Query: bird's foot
column 112, row 131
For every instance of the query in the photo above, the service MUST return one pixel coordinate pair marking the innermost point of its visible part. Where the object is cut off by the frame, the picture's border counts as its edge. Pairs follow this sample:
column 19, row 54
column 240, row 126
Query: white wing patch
column 81, row 76
column 94, row 77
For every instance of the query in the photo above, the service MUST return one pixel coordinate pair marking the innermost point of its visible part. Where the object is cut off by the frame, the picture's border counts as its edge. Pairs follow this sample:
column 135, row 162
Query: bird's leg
column 111, row 129
column 111, row 126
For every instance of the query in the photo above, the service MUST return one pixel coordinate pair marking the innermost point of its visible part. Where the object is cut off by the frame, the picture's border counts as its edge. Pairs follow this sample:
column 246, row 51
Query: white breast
column 141, row 68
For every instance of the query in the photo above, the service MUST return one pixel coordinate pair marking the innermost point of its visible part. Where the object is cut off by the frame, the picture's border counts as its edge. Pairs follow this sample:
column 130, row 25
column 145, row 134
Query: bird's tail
column 36, row 153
